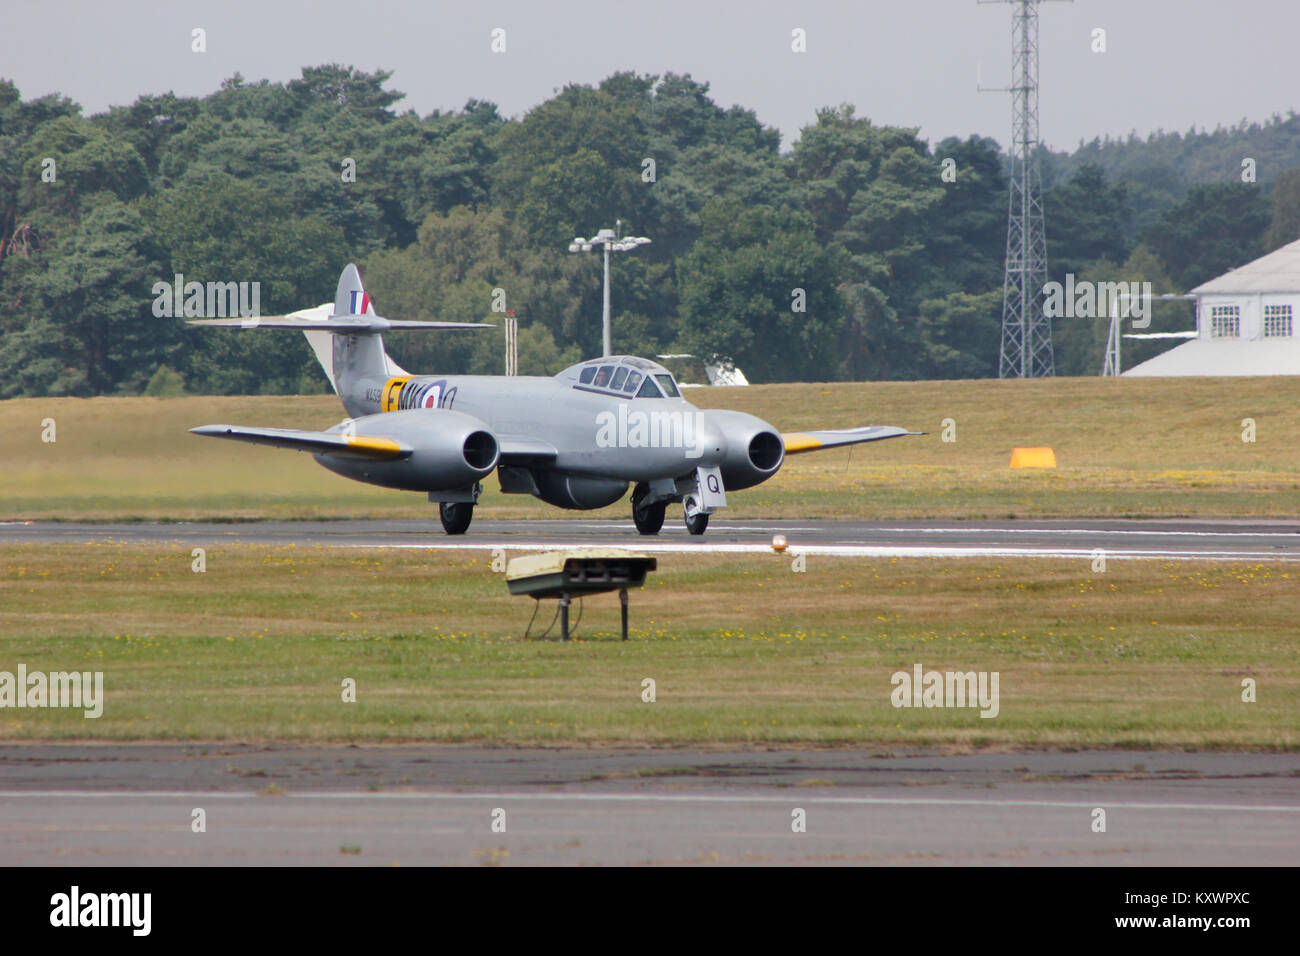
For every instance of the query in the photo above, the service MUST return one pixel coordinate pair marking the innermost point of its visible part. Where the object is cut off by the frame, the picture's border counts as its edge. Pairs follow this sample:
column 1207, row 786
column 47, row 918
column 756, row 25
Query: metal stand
column 564, row 617
column 622, row 599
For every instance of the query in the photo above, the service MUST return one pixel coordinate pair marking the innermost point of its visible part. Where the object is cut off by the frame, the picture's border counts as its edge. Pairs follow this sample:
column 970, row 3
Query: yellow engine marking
column 392, row 390
column 796, row 442
column 375, row 444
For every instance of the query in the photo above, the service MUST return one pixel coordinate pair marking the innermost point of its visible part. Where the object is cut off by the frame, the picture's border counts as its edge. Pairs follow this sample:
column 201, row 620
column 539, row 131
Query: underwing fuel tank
column 449, row 450
column 578, row 494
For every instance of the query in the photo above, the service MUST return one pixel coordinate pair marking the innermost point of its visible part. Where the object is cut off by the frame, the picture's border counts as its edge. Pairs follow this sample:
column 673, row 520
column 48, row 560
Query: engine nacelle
column 452, row 450
column 579, row 494
column 755, row 450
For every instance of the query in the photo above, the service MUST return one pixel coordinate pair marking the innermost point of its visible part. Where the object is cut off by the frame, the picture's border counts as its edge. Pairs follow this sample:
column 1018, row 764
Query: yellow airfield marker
column 1033, row 458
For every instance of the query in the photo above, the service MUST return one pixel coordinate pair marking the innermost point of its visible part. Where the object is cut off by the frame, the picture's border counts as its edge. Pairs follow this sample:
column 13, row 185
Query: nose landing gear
column 697, row 523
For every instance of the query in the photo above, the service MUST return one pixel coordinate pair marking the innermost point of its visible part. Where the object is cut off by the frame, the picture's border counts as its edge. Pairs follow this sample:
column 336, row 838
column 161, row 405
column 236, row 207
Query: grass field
column 743, row 651
column 1127, row 447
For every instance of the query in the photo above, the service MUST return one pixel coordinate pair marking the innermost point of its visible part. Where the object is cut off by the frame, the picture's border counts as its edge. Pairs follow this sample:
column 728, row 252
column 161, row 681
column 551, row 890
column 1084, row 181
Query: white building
column 1246, row 323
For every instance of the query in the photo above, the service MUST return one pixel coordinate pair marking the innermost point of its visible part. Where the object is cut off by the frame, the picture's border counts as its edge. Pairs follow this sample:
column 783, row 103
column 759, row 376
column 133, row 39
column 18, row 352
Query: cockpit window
column 633, row 380
column 648, row 389
column 670, row 389
column 619, row 378
column 602, row 377
column 587, row 375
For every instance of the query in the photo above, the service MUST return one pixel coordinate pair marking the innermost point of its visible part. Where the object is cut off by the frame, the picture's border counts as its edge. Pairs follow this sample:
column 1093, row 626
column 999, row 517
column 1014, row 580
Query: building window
column 1225, row 321
column 1277, row 321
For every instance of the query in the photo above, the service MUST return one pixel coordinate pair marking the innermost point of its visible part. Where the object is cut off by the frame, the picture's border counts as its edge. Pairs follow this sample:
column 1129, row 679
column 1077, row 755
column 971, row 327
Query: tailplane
column 347, row 337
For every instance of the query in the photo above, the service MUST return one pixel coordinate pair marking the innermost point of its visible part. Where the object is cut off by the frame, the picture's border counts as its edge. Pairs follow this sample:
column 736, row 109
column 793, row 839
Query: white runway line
column 783, row 529
column 1293, row 535
column 792, row 799
column 842, row 551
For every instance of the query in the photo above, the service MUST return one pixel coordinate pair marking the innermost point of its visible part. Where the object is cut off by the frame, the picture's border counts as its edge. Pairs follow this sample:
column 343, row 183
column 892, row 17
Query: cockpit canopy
column 625, row 375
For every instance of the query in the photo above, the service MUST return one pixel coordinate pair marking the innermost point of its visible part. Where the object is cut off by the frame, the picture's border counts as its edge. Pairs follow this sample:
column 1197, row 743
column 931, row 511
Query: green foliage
column 227, row 229
column 92, row 331
column 960, row 334
column 1284, row 225
column 165, row 384
column 897, row 246
column 1196, row 157
column 1080, row 343
column 1216, row 228
column 1086, row 220
column 759, row 290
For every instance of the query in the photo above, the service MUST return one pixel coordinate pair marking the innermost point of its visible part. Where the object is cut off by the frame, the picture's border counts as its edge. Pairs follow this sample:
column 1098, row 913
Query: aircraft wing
column 350, row 446
column 798, row 442
column 522, row 450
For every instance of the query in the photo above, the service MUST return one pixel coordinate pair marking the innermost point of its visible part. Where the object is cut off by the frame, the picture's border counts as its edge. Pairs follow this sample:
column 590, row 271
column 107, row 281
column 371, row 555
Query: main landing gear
column 456, row 516
column 648, row 518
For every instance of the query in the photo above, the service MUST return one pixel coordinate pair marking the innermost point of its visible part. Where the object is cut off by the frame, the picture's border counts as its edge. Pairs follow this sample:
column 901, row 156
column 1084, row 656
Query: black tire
column 697, row 524
column 456, row 516
column 648, row 518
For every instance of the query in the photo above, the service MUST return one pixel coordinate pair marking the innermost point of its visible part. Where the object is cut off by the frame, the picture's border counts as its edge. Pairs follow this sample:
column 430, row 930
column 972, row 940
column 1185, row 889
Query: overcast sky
column 1169, row 63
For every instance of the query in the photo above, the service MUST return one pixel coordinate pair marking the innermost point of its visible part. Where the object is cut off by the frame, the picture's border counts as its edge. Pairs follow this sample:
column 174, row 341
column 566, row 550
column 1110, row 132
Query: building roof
column 1279, row 271
column 1273, row 356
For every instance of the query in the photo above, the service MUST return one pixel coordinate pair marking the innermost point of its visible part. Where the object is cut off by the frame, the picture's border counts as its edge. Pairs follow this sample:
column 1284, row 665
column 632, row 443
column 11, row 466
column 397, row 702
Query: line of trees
column 863, row 252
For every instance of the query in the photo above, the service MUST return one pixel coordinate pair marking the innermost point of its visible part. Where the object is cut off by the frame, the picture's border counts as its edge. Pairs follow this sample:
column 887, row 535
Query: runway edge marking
column 650, row 798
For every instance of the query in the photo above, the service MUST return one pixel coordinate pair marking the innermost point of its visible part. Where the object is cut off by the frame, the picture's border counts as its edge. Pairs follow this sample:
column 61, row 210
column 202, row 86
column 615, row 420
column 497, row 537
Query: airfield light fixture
column 569, row 574
column 611, row 242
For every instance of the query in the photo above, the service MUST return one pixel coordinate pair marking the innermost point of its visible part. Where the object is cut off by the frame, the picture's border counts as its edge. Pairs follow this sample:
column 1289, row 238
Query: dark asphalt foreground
column 413, row 805
column 1228, row 539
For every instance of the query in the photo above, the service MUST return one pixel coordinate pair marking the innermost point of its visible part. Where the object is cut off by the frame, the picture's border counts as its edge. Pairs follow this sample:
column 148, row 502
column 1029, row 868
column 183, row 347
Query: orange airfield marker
column 1033, row 458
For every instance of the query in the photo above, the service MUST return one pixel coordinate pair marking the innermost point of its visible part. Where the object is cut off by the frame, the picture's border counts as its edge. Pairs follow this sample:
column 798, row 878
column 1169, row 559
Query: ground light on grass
column 1126, row 447
column 742, row 650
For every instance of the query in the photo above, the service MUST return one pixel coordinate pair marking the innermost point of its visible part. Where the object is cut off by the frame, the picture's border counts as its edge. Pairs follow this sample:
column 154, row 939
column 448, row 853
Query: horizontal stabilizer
column 345, row 324
column 350, row 446
column 796, row 442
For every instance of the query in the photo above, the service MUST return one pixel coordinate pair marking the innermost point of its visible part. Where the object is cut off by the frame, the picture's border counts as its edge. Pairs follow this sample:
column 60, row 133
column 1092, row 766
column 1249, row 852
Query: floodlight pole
column 611, row 241
column 605, row 318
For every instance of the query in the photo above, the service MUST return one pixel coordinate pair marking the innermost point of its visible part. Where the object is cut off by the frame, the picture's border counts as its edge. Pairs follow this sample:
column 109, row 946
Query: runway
column 134, row 804
column 1173, row 539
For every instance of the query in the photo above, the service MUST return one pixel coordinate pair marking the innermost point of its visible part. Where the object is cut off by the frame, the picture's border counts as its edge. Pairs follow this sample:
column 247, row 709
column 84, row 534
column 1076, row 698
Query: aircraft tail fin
column 359, row 354
column 346, row 337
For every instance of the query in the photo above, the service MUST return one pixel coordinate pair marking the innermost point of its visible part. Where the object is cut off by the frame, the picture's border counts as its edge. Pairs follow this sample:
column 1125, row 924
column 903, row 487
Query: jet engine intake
column 755, row 450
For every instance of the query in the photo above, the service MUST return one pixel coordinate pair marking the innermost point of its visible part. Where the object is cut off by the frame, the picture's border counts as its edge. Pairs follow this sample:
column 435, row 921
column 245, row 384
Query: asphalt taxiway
column 1225, row 540
column 411, row 805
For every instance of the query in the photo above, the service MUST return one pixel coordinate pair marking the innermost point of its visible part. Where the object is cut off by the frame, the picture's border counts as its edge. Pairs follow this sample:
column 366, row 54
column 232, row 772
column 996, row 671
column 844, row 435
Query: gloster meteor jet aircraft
column 577, row 440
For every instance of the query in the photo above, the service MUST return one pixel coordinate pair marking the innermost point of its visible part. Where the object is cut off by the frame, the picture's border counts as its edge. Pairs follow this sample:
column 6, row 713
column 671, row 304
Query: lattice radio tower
column 1026, row 330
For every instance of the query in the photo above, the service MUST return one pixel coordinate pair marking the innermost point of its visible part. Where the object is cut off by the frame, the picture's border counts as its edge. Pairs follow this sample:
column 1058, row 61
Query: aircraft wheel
column 696, row 524
column 456, row 516
column 648, row 518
